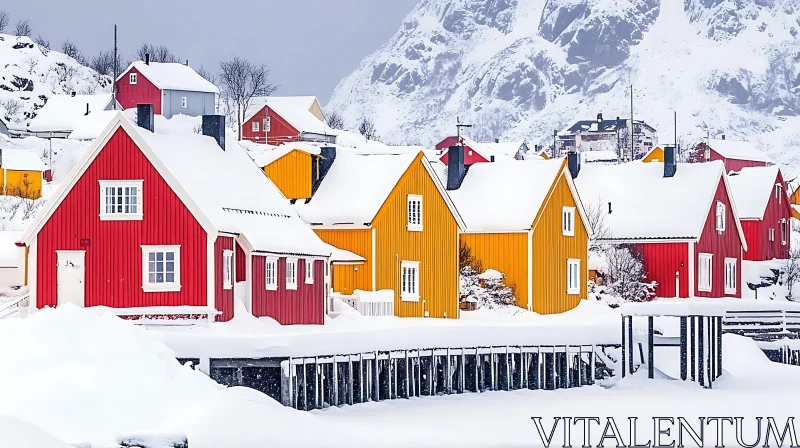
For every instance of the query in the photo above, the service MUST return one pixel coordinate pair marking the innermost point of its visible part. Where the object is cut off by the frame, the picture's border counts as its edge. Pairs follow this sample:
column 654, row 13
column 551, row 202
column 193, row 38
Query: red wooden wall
column 280, row 131
column 733, row 164
column 469, row 159
column 223, row 298
column 756, row 232
column 113, row 253
column 721, row 245
column 662, row 260
column 241, row 264
column 247, row 127
column 302, row 306
column 143, row 92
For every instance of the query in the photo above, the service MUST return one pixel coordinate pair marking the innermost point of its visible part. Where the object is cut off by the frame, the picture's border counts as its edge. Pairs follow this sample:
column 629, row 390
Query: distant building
column 735, row 154
column 61, row 114
column 608, row 135
column 475, row 152
column 275, row 120
column 172, row 88
column 3, row 127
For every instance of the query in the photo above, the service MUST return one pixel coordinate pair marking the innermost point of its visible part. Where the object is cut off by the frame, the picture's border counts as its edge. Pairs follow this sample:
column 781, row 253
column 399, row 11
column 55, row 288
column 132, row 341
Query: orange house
column 291, row 167
column 655, row 155
column 393, row 211
column 21, row 173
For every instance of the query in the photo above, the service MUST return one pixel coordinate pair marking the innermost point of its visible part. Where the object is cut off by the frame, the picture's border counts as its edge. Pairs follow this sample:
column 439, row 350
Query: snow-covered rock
column 520, row 68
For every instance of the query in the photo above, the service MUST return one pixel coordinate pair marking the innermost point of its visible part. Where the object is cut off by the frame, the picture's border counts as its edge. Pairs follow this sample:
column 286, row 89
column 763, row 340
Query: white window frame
column 309, row 271
column 771, row 235
column 409, row 286
column 703, row 260
column 291, row 268
column 778, row 194
column 573, row 273
column 133, row 78
column 720, row 216
column 227, row 269
column 730, row 275
column 184, row 102
column 105, row 216
column 271, row 283
column 784, row 231
column 568, row 221
column 255, row 126
column 174, row 286
column 414, row 212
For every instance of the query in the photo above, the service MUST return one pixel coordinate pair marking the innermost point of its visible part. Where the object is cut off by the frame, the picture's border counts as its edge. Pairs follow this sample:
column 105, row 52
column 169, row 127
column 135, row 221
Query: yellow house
column 292, row 167
column 393, row 211
column 525, row 219
column 794, row 200
column 654, row 155
column 21, row 173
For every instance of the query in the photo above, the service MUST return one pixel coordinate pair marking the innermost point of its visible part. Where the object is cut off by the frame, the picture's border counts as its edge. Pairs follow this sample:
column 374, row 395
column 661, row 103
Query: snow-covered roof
column 509, row 149
column 21, row 160
column 89, row 127
column 239, row 200
column 645, row 205
column 485, row 150
column 62, row 112
column 505, row 196
column 344, row 256
column 268, row 156
column 300, row 118
column 738, row 149
column 751, row 188
column 172, row 76
column 599, row 156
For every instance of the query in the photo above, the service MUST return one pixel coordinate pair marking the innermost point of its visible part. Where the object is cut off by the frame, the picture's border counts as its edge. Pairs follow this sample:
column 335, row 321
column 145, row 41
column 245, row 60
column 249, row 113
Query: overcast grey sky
column 308, row 44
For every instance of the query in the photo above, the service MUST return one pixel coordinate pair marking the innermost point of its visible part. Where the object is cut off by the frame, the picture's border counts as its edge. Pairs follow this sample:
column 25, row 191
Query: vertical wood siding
column 436, row 247
column 661, row 261
column 143, row 92
column 551, row 250
column 504, row 252
column 733, row 164
column 346, row 277
column 280, row 131
column 756, row 232
column 656, row 155
column 25, row 184
column 469, row 159
column 726, row 244
column 292, row 174
column 247, row 127
column 113, row 254
column 241, row 263
column 223, row 298
column 302, row 306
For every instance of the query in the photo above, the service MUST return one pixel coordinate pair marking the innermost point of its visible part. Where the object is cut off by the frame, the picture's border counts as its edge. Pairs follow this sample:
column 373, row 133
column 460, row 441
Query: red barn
column 765, row 212
column 679, row 217
column 175, row 220
column 276, row 120
column 734, row 154
column 475, row 152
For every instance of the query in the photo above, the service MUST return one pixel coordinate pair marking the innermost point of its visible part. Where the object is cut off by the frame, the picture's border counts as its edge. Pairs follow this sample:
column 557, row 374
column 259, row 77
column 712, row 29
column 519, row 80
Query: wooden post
column 376, row 381
column 567, row 373
column 462, row 377
column 335, row 391
column 701, row 354
column 448, row 379
column 305, row 387
column 350, row 380
column 650, row 346
column 693, row 346
column 624, row 351
column 684, row 341
column 630, row 344
column 592, row 367
column 719, row 346
column 408, row 383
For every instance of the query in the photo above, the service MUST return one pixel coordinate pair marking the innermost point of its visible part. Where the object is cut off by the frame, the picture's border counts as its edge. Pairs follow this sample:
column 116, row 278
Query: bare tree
column 242, row 81
column 158, row 53
column 596, row 215
column 71, row 50
column 792, row 272
column 103, row 62
column 23, row 28
column 5, row 20
column 626, row 276
column 367, row 129
column 210, row 77
column 334, row 120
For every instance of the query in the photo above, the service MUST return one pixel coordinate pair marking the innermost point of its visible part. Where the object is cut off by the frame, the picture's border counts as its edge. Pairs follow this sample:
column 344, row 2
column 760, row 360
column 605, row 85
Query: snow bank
column 18, row 433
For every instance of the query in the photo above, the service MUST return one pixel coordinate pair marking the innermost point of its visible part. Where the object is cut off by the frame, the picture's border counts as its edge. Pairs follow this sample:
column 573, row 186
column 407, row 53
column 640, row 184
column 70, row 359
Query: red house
column 734, row 154
column 174, row 223
column 764, row 210
column 679, row 217
column 475, row 152
column 277, row 120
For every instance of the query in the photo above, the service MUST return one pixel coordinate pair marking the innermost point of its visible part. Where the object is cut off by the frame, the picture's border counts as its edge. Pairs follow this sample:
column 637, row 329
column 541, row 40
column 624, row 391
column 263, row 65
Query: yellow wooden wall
column 26, row 184
column 292, row 174
column 349, row 277
column 504, row 252
column 551, row 250
column 656, row 155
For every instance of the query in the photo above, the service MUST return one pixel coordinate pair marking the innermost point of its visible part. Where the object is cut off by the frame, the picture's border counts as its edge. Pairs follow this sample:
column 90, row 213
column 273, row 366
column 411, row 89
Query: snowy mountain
column 30, row 74
column 522, row 68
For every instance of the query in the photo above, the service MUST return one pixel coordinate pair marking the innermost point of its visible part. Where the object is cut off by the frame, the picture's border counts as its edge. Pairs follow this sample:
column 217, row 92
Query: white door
column 71, row 276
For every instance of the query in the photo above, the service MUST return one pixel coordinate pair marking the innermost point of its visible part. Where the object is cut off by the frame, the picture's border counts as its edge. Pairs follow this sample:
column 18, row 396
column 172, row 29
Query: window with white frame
column 291, row 273
column 568, row 221
column 309, row 271
column 227, row 269
column 133, row 78
column 704, row 272
column 271, row 273
column 120, row 200
column 730, row 276
column 778, row 194
column 161, row 268
column 414, row 212
column 184, row 102
column 784, row 233
column 573, row 276
column 771, row 234
column 720, row 216
column 409, row 281
column 255, row 126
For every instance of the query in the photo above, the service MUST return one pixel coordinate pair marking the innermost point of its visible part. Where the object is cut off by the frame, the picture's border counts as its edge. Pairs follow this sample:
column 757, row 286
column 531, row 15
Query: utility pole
column 458, row 130
column 555, row 134
column 632, row 128
column 114, row 81
column 675, row 123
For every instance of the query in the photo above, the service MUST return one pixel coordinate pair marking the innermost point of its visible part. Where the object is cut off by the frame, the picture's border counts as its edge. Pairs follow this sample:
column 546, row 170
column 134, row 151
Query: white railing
column 368, row 303
column 768, row 323
column 14, row 306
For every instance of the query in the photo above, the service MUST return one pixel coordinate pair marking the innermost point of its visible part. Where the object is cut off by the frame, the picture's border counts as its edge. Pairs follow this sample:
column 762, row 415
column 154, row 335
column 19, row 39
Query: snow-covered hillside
column 522, row 68
column 30, row 74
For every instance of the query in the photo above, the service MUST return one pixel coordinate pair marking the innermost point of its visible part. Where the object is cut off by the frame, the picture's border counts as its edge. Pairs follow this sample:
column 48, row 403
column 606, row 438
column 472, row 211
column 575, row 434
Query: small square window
column 573, row 276
column 255, row 126
column 133, row 78
column 409, row 281
column 568, row 221
column 309, row 271
column 271, row 274
column 161, row 268
column 184, row 102
column 121, row 200
column 227, row 269
column 414, row 215
column 291, row 273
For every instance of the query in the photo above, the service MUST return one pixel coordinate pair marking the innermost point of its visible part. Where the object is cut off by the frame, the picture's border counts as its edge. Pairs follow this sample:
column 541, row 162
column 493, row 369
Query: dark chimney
column 87, row 109
column 144, row 116
column 455, row 167
column 497, row 140
column 187, row 62
column 327, row 155
column 599, row 117
column 609, row 207
column 214, row 126
column 723, row 136
column 574, row 163
column 669, row 161
column 73, row 94
column 491, row 158
column 147, row 58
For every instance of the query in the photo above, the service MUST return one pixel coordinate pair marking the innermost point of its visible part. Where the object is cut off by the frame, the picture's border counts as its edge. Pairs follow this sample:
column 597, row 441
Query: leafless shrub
column 334, row 120
column 158, row 53
column 12, row 106
column 242, row 81
column 792, row 272
column 367, row 129
column 5, row 20
column 23, row 28
column 210, row 77
column 44, row 44
column 71, row 50
column 32, row 63
column 626, row 276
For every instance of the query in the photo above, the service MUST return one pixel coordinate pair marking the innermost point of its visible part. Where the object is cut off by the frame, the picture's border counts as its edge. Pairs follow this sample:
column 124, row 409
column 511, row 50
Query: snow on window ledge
column 409, row 297
column 159, row 288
